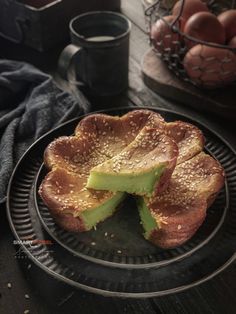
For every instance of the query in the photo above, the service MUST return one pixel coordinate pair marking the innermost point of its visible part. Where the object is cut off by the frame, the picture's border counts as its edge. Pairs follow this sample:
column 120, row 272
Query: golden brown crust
column 60, row 190
column 113, row 133
column 181, row 208
column 177, row 229
column 188, row 137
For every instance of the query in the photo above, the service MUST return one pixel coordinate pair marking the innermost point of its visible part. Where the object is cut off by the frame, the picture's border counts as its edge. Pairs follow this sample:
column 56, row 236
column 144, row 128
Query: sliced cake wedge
column 143, row 167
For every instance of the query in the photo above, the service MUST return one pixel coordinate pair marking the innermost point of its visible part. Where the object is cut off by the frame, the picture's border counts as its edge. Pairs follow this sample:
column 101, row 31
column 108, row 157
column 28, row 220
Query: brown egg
column 228, row 20
column 210, row 66
column 164, row 39
column 204, row 26
column 232, row 42
column 190, row 7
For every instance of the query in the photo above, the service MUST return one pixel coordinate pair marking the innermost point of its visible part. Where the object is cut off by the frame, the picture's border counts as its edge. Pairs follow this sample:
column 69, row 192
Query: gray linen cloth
column 30, row 105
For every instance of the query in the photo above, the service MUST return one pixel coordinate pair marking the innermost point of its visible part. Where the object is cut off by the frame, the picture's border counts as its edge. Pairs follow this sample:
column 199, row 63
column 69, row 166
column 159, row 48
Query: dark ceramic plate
column 122, row 263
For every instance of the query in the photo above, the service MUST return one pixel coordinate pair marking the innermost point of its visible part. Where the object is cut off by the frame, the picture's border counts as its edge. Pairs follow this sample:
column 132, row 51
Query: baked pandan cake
column 172, row 217
column 69, row 159
column 142, row 168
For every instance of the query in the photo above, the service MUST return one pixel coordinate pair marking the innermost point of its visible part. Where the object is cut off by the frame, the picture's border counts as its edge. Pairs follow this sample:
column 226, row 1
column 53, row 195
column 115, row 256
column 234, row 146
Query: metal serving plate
column 118, row 241
column 123, row 265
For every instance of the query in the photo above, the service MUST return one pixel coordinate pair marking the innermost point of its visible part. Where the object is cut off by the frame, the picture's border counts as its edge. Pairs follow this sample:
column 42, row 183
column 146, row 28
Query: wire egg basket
column 207, row 65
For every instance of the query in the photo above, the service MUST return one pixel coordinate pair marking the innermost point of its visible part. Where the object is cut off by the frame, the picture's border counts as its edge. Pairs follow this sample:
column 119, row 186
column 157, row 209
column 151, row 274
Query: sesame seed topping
column 93, row 147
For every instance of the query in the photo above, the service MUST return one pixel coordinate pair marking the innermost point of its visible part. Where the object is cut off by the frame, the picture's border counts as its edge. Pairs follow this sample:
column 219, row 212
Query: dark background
column 24, row 287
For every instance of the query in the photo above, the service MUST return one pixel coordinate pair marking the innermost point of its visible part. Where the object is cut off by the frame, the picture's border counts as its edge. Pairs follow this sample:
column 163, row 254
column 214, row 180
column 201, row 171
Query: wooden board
column 159, row 78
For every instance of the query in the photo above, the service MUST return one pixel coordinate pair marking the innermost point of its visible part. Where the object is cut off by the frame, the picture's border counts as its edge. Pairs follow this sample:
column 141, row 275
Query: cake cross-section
column 141, row 168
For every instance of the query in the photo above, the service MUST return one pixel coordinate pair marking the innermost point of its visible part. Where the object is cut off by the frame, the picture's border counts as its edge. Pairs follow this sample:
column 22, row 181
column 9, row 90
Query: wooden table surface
column 25, row 288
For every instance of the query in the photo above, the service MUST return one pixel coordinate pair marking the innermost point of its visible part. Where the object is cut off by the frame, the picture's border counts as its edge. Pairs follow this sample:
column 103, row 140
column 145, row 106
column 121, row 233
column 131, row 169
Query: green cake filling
column 133, row 183
column 148, row 222
column 100, row 213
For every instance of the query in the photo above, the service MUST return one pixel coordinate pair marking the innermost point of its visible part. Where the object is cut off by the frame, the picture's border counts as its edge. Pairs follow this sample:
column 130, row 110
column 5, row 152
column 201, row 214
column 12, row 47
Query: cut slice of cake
column 141, row 168
column 189, row 139
column 172, row 217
